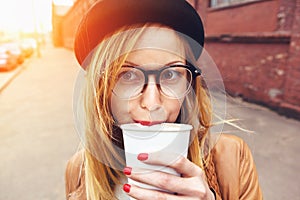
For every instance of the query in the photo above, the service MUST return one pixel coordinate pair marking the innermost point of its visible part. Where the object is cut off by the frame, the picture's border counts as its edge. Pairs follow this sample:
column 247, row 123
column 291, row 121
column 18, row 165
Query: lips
column 148, row 123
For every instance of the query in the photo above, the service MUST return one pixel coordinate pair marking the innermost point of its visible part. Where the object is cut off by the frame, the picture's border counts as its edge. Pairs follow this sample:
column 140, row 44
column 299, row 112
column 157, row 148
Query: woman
column 140, row 60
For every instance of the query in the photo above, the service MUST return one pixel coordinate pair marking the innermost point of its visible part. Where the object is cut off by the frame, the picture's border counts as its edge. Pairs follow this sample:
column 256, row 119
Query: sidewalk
column 275, row 145
column 7, row 77
column 38, row 136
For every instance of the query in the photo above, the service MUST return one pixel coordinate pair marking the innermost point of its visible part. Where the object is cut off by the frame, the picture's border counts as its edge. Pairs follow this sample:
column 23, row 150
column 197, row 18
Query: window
column 222, row 3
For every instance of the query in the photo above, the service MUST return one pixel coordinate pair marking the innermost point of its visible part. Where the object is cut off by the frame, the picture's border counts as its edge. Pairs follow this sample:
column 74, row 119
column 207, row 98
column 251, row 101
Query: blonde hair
column 102, row 159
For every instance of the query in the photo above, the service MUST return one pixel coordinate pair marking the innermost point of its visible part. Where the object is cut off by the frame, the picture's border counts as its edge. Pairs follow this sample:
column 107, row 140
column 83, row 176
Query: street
column 37, row 130
column 37, row 134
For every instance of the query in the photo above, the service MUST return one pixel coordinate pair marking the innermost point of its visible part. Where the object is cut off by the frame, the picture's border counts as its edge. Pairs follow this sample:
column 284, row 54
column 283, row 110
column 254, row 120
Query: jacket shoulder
column 229, row 140
column 235, row 168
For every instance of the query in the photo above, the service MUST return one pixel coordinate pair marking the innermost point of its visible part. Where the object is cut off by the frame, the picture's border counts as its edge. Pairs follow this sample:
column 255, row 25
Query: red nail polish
column 142, row 156
column 126, row 188
column 127, row 170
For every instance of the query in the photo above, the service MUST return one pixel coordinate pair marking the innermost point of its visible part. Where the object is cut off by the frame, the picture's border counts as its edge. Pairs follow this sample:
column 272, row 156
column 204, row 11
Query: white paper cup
column 167, row 138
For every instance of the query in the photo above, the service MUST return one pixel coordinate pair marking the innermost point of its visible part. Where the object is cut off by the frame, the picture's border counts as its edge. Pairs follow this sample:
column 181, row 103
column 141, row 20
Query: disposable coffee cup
column 169, row 139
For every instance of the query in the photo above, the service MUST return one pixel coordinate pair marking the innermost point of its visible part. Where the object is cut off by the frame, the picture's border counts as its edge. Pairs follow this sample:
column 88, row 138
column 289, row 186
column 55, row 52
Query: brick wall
column 291, row 98
column 72, row 19
column 254, row 17
column 257, row 48
column 256, row 70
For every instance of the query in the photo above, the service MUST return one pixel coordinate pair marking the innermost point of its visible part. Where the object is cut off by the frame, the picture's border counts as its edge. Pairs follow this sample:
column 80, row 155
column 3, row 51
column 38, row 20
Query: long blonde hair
column 102, row 159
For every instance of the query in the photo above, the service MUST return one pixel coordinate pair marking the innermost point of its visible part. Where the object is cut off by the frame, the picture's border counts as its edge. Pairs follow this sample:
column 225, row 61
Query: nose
column 151, row 97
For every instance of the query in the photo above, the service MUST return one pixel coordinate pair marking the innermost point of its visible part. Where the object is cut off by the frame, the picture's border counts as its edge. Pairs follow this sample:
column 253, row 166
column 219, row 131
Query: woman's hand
column 191, row 184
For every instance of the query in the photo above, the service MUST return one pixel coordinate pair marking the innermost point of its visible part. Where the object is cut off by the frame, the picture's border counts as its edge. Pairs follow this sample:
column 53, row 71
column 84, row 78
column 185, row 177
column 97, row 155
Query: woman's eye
column 130, row 76
column 170, row 75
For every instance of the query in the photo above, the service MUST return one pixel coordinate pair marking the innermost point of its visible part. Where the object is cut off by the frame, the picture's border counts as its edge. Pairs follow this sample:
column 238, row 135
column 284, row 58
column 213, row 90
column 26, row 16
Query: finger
column 194, row 186
column 147, row 194
column 178, row 162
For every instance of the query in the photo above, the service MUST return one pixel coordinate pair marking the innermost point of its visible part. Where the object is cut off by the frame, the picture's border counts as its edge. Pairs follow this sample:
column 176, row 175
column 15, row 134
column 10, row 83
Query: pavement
column 37, row 134
column 7, row 77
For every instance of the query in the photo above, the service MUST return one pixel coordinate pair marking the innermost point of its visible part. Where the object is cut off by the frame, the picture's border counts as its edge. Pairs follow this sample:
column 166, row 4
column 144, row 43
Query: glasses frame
column 194, row 71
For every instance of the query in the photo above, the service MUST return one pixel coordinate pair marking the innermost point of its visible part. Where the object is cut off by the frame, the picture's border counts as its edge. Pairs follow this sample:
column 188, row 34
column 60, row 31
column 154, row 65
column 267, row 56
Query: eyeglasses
column 172, row 81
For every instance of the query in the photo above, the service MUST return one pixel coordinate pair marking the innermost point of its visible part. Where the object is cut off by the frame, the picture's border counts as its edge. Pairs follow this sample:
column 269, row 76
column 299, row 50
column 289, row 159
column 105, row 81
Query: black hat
column 107, row 16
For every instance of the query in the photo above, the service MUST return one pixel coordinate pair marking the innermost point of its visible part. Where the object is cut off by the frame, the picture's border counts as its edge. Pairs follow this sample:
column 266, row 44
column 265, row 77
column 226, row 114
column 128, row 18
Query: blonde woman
column 140, row 61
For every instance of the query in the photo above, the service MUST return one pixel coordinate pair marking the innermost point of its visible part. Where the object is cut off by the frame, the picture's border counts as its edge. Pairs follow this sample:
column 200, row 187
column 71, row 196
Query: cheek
column 123, row 110
column 119, row 109
column 172, row 108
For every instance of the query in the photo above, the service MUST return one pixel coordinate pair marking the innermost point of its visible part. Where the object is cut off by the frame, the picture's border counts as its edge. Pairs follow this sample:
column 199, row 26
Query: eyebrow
column 168, row 64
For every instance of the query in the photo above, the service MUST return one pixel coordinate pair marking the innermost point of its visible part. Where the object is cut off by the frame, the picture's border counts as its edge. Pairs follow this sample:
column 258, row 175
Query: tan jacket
column 233, row 166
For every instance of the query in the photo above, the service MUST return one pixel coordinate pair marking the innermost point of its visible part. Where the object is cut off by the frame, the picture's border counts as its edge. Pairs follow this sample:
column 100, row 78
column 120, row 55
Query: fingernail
column 126, row 188
column 142, row 156
column 127, row 170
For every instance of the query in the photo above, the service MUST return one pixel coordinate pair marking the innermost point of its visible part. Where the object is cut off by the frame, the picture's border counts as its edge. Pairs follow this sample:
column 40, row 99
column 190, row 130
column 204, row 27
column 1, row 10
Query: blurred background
column 255, row 44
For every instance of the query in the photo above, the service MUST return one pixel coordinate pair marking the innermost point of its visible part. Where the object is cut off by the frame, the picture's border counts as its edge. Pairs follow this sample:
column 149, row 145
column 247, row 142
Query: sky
column 27, row 15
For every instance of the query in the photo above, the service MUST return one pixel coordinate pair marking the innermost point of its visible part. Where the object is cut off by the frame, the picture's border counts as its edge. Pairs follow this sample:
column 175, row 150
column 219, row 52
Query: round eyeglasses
column 173, row 81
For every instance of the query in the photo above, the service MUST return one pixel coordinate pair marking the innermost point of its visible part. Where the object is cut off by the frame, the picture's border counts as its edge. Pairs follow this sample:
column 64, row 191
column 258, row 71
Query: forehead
column 154, row 57
column 158, row 44
column 161, row 38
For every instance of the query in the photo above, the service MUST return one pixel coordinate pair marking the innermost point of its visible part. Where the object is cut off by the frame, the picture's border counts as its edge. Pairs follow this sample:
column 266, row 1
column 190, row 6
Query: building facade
column 255, row 44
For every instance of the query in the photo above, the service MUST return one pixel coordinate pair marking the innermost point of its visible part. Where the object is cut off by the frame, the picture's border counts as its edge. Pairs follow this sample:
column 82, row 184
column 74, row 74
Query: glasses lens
column 175, row 82
column 130, row 82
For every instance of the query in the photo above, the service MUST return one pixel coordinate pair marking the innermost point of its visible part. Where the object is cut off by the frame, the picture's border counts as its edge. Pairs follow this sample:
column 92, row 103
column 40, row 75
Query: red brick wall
column 291, row 99
column 255, row 17
column 255, row 71
column 72, row 19
column 257, row 48
column 286, row 10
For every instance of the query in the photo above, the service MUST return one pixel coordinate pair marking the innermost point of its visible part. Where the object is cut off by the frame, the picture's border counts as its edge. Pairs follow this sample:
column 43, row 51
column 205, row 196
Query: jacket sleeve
column 249, row 185
column 235, row 169
column 74, row 178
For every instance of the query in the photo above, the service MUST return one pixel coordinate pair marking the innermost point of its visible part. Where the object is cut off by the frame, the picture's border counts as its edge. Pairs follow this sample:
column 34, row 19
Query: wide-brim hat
column 105, row 17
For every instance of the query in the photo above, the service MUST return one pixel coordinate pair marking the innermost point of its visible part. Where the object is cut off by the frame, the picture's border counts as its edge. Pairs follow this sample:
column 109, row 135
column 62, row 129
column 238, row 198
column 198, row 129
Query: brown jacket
column 233, row 165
